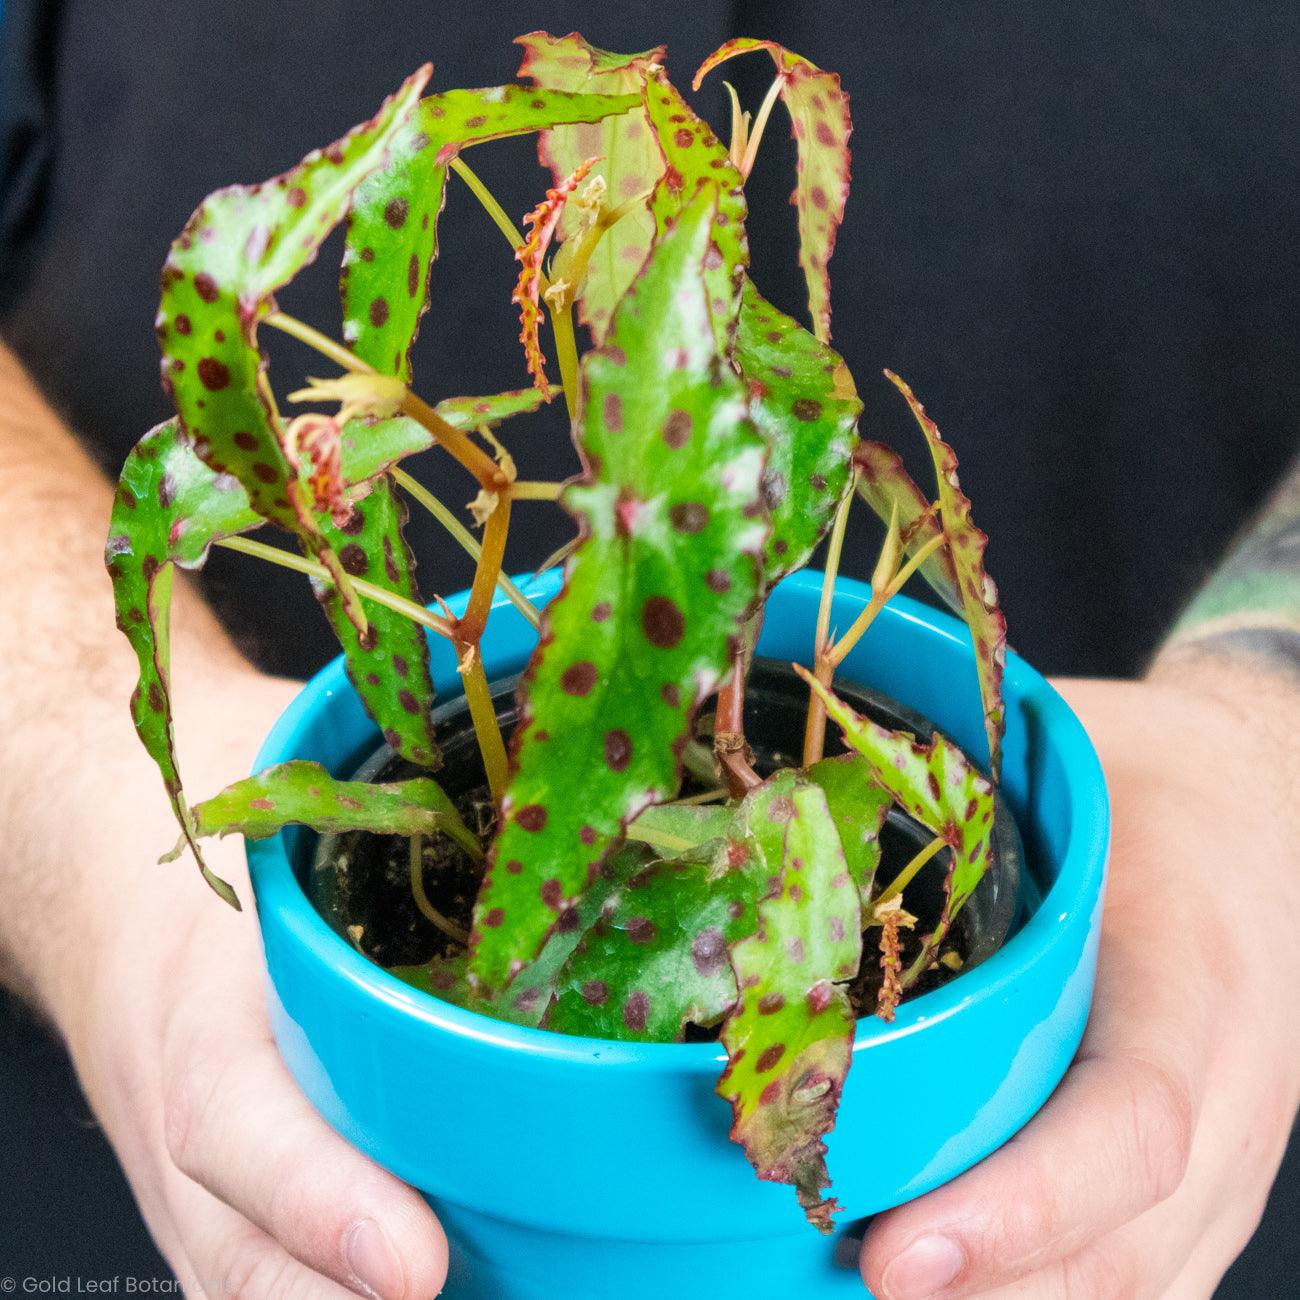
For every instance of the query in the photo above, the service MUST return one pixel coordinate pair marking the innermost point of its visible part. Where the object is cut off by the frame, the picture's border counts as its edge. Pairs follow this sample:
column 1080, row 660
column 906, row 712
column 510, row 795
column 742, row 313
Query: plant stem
column 380, row 595
column 729, row 745
column 708, row 796
column 760, row 125
column 532, row 490
column 739, row 127
column 313, row 338
column 467, row 540
column 879, row 600
column 488, row 473
column 925, row 957
column 566, row 352
column 427, row 909
column 488, row 200
column 469, row 627
column 659, row 839
column 814, row 732
column 486, row 728
column 904, row 878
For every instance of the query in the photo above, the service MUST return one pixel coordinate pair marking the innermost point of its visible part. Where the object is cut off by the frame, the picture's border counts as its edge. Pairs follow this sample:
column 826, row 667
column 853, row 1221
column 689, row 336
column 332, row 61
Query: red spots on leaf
column 367, row 254
column 600, row 611
column 641, row 930
column 613, row 412
column 155, row 698
column 531, row 817
column 494, row 918
column 818, row 197
column 354, row 559
column 379, row 312
column 244, row 440
column 206, row 287
column 479, row 119
column 835, row 928
column 709, row 951
column 266, row 473
column 671, row 694
column 824, row 134
column 579, row 678
column 400, row 666
column 595, row 992
column 552, row 894
column 413, row 275
column 781, row 809
column 662, row 622
column 636, row 1010
column 717, row 581
column 795, row 950
column 769, row 1058
column 296, row 197
column 683, row 137
column 770, row 1094
column 932, row 784
column 408, row 701
column 587, row 835
column 689, row 517
column 770, row 1003
column 214, row 374
column 514, row 867
column 182, row 323
column 395, row 212
column 677, row 429
column 618, row 750
column 807, row 409
column 262, row 804
column 818, row 997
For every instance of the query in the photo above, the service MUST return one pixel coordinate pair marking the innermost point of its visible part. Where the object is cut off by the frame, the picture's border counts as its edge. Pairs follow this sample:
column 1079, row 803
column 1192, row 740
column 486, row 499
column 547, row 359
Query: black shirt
column 1073, row 228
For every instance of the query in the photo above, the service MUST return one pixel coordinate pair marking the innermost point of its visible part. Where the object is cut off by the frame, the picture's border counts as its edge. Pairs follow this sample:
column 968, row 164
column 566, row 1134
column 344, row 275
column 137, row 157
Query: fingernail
column 928, row 1265
column 373, row 1261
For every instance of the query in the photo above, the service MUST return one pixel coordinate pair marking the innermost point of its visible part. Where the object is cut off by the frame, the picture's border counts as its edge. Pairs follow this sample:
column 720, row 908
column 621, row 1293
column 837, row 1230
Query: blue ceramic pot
column 588, row 1169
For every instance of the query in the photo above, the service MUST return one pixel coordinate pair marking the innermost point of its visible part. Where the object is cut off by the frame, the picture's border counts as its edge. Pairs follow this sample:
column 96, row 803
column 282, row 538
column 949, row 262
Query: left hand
column 1147, row 1171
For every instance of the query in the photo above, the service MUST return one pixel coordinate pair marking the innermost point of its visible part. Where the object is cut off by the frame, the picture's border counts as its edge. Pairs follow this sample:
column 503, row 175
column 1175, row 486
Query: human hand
column 246, row 1190
column 1146, row 1172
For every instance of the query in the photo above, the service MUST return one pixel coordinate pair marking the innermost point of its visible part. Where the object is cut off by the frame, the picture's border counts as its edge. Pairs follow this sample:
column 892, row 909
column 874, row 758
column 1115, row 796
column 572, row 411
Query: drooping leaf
column 979, row 593
column 470, row 412
column 541, row 223
column 819, row 118
column 858, row 805
column 239, row 247
column 658, row 959
column 936, row 784
column 695, row 159
column 389, row 665
column 789, row 1042
column 299, row 793
column 630, row 163
column 803, row 400
column 664, row 577
column 393, row 231
column 886, row 486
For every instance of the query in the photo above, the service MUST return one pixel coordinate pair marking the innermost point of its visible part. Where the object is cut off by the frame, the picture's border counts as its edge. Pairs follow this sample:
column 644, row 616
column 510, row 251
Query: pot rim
column 1078, row 883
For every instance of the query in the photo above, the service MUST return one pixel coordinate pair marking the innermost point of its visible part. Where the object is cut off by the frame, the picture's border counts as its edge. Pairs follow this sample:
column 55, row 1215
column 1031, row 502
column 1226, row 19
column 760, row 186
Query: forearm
column 68, row 752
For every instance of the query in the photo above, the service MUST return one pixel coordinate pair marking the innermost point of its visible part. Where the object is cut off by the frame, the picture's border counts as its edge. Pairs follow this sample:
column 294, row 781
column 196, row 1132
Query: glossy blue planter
column 587, row 1169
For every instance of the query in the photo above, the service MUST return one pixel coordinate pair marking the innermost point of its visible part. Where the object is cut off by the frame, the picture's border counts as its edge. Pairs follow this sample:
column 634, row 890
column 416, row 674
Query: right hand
column 245, row 1188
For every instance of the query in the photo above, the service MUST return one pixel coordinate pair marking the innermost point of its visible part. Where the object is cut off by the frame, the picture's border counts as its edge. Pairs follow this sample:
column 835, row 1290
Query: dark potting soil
column 361, row 883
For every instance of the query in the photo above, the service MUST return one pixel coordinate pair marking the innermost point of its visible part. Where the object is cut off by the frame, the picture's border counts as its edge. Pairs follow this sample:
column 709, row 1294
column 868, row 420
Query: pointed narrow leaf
column 694, row 158
column 470, row 412
column 541, row 223
column 393, row 230
column 819, row 119
column 630, row 163
column 389, row 665
column 804, row 403
column 936, row 784
column 979, row 593
column 299, row 793
column 658, row 959
column 239, row 247
column 789, row 1042
column 885, row 485
column 859, row 805
column 664, row 577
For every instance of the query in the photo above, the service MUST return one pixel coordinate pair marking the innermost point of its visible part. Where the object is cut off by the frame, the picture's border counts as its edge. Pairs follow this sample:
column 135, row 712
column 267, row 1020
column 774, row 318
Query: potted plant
column 541, row 948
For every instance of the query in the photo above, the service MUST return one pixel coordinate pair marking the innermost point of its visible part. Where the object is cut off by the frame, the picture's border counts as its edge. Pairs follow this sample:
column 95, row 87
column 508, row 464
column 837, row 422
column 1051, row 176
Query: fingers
column 236, row 1123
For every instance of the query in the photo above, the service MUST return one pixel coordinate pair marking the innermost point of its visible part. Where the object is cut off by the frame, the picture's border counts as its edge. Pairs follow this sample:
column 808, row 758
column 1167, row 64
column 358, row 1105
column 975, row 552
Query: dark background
column 1074, row 229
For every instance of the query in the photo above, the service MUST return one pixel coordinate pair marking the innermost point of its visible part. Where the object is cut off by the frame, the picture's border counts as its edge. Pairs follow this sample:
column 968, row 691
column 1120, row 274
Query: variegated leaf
column 789, row 1041
column 392, row 233
column 819, row 118
column 859, row 805
column 630, row 164
column 239, row 247
column 934, row 783
column 670, row 508
column 979, row 593
column 803, row 400
column 694, row 159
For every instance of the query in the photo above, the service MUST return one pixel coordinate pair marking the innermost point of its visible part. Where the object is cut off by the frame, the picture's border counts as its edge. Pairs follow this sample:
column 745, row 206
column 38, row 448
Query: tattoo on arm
column 1251, row 604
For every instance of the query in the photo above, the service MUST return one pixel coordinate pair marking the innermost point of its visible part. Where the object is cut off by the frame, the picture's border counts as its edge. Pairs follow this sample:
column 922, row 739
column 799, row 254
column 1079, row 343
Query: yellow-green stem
column 488, row 200
column 904, row 878
column 531, row 490
column 486, row 727
column 467, row 540
column 566, row 352
column 367, row 590
column 474, row 620
column 321, row 343
column 760, row 125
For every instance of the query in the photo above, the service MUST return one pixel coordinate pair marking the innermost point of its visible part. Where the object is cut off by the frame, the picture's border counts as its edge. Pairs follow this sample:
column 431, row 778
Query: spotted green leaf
column 664, row 577
column 819, row 118
column 886, row 486
column 934, row 783
column 442, row 977
column 858, row 805
column 393, row 230
column 470, row 412
column 388, row 664
column 979, row 593
column 657, row 960
column 789, row 1041
column 694, row 159
column 240, row 246
column 630, row 163
column 299, row 793
column 803, row 400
